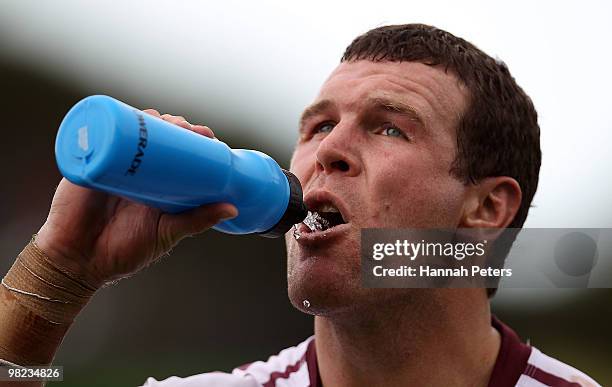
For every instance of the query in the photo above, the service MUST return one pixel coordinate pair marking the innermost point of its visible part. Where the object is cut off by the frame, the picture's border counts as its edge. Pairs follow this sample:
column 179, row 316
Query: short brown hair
column 498, row 134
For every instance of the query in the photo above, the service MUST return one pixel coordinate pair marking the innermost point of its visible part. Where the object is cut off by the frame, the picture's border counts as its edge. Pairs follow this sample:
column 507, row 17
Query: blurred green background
column 217, row 301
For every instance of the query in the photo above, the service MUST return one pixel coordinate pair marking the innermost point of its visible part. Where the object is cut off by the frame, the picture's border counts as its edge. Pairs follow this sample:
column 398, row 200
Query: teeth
column 328, row 208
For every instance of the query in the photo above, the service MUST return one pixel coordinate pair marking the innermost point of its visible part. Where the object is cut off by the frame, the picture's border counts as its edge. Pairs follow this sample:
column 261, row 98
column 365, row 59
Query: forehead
column 439, row 96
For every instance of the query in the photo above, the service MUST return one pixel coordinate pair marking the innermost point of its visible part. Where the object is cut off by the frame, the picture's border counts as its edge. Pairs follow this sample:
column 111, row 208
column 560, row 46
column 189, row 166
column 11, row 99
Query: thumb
column 174, row 227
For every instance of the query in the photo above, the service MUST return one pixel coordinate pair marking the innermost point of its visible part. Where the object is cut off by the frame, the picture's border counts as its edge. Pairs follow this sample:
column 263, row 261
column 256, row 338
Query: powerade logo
column 142, row 144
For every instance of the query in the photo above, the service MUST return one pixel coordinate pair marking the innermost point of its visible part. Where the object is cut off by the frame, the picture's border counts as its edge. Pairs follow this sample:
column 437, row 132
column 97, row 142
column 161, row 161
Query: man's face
column 377, row 144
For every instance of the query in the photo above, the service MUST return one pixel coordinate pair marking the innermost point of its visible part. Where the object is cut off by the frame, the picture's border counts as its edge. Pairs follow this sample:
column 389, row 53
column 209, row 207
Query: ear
column 492, row 203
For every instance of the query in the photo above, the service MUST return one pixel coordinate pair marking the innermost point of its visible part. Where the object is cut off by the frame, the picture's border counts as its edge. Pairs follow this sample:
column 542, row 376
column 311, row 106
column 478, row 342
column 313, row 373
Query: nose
column 336, row 152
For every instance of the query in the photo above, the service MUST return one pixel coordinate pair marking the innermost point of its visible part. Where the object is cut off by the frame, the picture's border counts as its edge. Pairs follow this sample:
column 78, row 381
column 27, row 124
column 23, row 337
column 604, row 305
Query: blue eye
column 392, row 131
column 324, row 128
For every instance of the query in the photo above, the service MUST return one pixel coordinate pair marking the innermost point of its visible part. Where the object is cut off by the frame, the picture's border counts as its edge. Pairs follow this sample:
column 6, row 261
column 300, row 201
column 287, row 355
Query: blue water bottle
column 110, row 146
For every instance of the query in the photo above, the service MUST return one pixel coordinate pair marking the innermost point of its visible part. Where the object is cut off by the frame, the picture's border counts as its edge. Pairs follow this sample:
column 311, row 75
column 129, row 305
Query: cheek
column 416, row 197
column 302, row 162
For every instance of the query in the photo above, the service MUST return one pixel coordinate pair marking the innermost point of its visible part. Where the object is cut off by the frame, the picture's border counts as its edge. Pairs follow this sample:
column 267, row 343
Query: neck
column 437, row 337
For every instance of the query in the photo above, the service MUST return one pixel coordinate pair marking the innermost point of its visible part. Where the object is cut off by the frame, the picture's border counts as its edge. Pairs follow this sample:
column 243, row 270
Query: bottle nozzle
column 296, row 209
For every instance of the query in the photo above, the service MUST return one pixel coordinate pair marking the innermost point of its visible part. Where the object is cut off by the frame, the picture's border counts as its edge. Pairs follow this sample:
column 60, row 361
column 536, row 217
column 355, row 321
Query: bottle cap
column 296, row 210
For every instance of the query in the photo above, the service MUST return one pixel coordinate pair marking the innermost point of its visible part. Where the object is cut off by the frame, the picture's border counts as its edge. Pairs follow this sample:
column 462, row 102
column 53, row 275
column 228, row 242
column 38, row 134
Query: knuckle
column 152, row 112
column 177, row 120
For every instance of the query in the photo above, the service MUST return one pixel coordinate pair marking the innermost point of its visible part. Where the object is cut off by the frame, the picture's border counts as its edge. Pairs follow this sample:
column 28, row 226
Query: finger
column 172, row 118
column 203, row 130
column 174, row 227
column 152, row 112
column 177, row 120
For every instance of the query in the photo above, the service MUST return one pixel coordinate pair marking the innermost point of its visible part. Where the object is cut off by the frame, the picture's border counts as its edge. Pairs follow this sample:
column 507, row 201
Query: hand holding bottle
column 102, row 237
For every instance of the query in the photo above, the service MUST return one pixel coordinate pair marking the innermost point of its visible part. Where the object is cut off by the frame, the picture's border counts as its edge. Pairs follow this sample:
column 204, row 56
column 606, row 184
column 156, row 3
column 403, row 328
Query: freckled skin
column 390, row 182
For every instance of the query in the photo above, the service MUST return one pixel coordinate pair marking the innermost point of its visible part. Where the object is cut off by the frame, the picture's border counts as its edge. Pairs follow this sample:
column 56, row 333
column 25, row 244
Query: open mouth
column 328, row 219
column 323, row 218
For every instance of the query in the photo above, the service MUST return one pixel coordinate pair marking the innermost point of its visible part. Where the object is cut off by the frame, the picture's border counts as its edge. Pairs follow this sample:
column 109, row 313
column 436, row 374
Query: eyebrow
column 376, row 102
column 395, row 106
column 314, row 110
